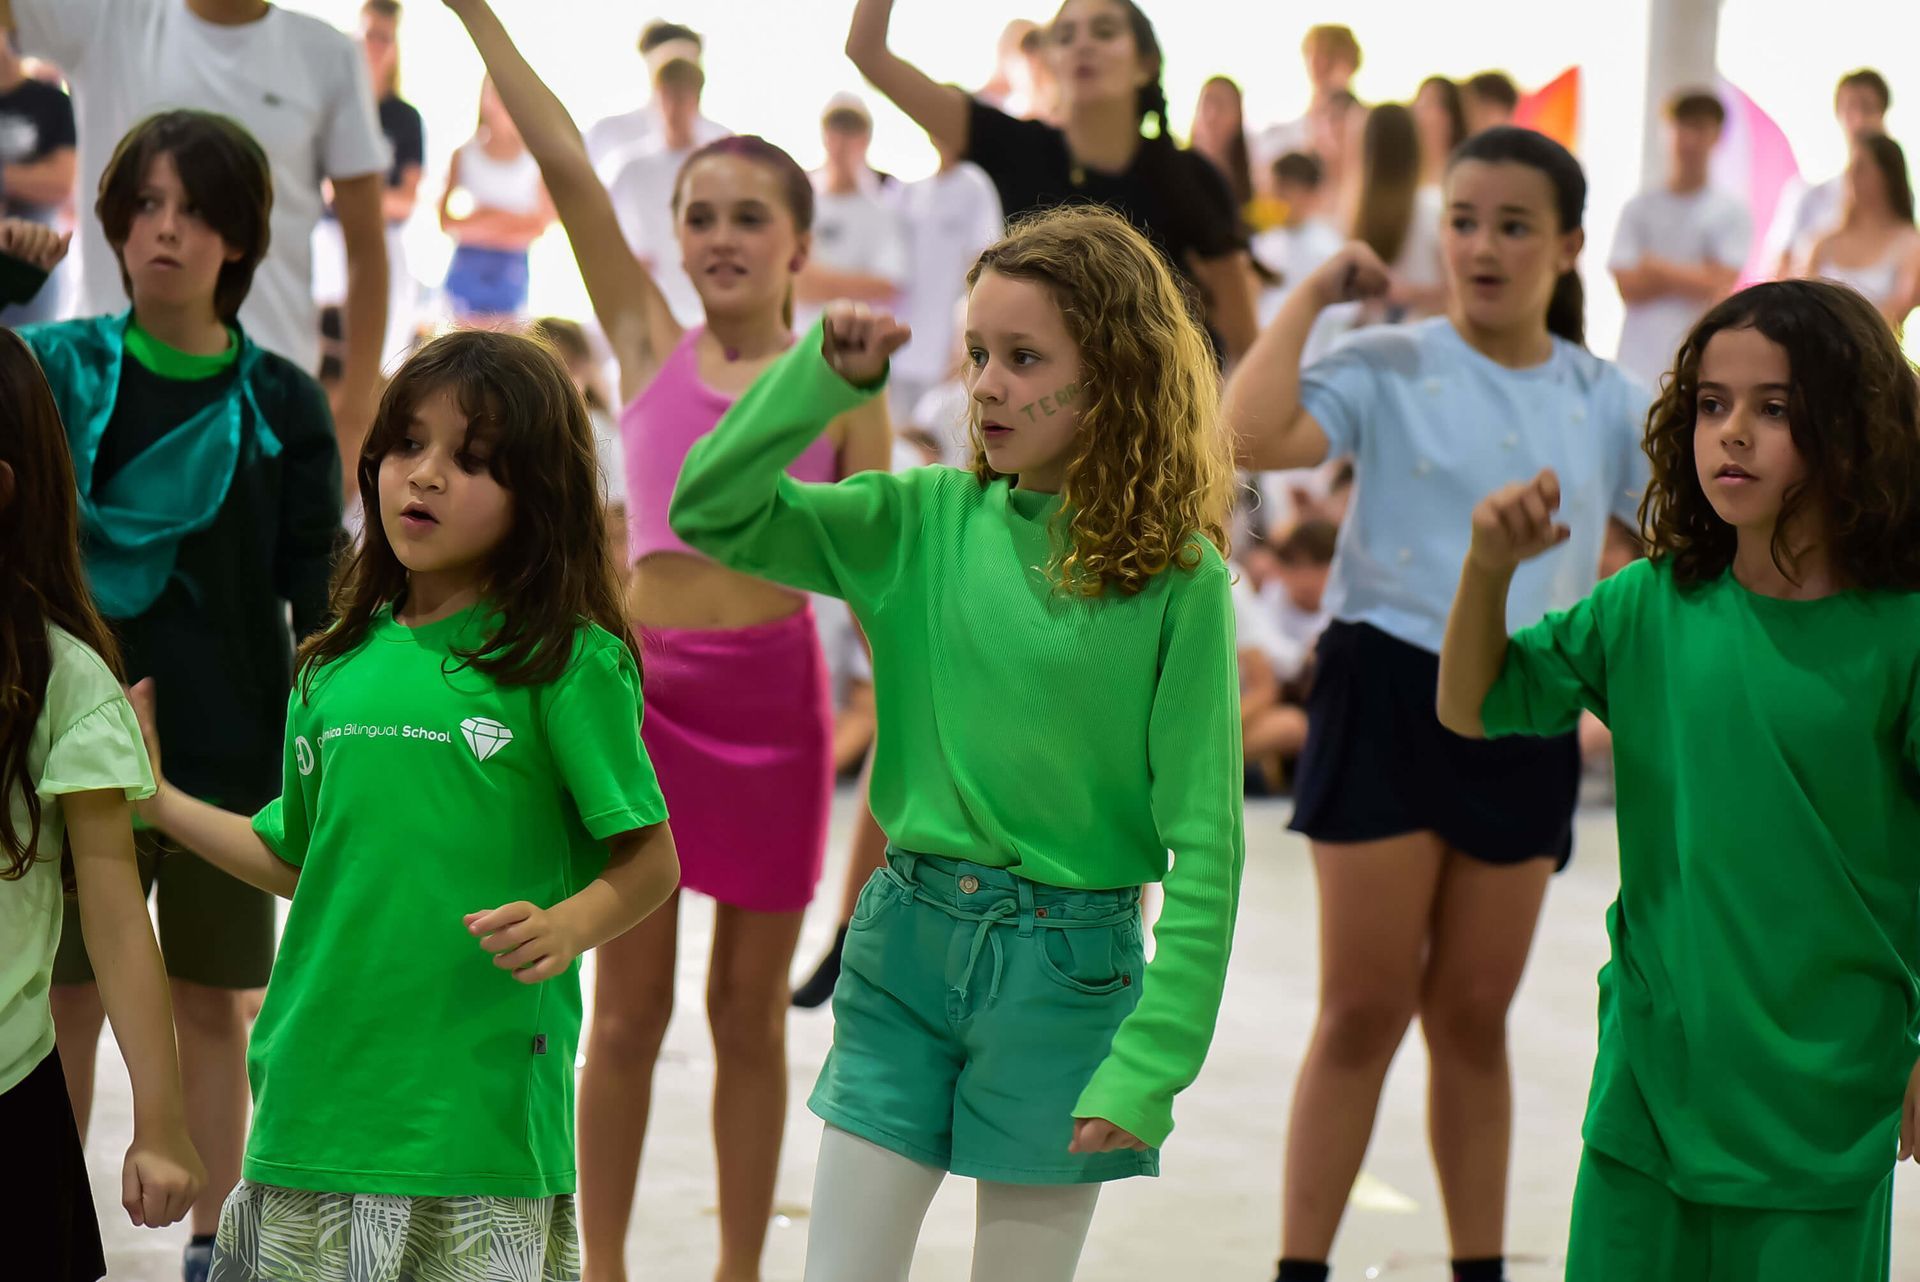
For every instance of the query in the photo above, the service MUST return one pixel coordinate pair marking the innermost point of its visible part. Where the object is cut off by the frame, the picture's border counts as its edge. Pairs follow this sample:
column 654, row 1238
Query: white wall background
column 772, row 63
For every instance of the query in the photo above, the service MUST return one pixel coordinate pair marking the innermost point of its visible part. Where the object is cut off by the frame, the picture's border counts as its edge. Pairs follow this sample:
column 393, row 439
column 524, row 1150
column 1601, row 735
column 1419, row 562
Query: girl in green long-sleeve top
column 1054, row 663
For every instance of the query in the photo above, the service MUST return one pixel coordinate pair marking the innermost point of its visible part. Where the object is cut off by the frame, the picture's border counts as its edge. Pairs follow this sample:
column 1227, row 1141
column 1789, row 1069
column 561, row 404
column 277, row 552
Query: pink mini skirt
column 739, row 726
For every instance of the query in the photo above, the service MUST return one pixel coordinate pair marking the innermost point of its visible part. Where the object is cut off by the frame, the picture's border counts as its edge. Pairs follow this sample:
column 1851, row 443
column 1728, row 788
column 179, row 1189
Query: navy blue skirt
column 44, row 1198
column 1379, row 764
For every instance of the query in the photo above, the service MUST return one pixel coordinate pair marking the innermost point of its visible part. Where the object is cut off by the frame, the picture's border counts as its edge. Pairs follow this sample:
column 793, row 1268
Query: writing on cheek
column 1053, row 402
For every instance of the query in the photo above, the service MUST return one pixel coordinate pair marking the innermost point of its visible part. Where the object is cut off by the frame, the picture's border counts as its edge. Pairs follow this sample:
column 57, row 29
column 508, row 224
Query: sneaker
column 818, row 989
column 197, row 1263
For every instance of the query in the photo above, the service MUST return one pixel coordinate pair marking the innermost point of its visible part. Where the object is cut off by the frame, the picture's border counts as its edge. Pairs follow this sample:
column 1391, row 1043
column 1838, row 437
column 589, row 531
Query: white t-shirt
column 1292, row 254
column 950, row 217
column 296, row 83
column 859, row 231
column 1690, row 228
column 944, row 410
column 1803, row 214
column 86, row 740
column 642, row 193
column 608, row 141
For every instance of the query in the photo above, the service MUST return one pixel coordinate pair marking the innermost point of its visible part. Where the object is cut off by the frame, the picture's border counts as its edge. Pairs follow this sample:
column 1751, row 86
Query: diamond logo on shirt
column 485, row 736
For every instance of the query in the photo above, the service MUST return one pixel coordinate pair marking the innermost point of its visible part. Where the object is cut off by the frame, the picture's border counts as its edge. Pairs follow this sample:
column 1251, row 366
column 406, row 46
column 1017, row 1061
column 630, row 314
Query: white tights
column 868, row 1205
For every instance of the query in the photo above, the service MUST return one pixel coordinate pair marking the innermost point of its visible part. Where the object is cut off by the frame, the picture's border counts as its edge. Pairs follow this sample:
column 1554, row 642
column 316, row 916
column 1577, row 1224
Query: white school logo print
column 485, row 736
column 303, row 754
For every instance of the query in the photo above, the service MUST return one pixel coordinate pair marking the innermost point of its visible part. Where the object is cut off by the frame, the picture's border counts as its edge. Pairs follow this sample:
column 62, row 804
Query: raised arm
column 736, row 503
column 939, row 109
column 1272, row 430
column 628, row 304
column 1509, row 526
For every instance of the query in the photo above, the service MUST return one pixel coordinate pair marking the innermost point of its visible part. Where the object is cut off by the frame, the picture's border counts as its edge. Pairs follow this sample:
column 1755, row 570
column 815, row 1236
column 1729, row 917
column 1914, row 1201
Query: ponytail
column 1150, row 103
column 1567, row 309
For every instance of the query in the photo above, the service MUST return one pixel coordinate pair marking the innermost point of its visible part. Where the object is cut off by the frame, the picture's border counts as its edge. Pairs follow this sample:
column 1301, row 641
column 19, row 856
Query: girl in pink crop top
column 658, row 428
column 738, row 720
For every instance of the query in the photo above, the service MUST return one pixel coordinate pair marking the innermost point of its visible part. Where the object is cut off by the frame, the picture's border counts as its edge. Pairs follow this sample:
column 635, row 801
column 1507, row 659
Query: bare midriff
column 676, row 590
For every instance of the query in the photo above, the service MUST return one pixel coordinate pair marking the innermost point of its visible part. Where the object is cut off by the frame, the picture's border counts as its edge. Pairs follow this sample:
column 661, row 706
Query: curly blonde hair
column 1152, row 467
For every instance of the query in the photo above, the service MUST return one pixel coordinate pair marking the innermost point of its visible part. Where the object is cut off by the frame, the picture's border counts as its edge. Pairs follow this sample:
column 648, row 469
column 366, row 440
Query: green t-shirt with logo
column 392, row 1055
column 1761, row 1010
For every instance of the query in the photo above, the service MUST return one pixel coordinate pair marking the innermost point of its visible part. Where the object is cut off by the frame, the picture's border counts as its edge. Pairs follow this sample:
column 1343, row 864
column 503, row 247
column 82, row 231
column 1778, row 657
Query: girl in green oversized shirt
column 466, row 808
column 1760, row 1016
column 1054, row 664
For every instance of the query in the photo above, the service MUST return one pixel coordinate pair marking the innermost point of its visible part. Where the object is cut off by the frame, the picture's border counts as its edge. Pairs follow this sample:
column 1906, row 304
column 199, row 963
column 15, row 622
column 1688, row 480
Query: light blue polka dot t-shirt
column 1433, row 427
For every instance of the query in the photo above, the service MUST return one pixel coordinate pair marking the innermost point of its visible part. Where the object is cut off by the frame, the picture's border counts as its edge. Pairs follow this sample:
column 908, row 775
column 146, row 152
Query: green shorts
column 973, row 1008
column 1629, row 1225
column 214, row 929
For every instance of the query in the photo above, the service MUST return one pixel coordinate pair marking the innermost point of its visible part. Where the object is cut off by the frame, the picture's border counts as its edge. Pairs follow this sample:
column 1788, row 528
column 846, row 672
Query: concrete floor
column 1213, row 1215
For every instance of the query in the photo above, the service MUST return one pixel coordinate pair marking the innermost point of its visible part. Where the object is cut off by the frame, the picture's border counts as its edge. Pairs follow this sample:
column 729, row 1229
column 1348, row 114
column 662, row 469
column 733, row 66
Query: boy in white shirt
column 859, row 240
column 642, row 189
column 612, row 141
column 1290, row 252
column 1680, row 246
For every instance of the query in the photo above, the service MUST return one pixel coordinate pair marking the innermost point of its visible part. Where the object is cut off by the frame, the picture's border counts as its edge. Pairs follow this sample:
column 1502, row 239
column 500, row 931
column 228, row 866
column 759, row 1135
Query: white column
column 1683, row 37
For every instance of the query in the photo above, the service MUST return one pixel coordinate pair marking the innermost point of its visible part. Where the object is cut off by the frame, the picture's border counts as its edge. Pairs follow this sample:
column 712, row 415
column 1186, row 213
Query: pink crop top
column 658, row 429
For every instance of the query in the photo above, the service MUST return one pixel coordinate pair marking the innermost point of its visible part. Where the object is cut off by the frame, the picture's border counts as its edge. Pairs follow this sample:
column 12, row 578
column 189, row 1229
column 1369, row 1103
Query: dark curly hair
column 1854, row 412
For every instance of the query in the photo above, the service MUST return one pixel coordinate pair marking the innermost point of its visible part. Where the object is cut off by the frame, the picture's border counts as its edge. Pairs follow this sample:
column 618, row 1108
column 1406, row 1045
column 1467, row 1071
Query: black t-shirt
column 216, row 641
column 1176, row 198
column 36, row 120
column 405, row 133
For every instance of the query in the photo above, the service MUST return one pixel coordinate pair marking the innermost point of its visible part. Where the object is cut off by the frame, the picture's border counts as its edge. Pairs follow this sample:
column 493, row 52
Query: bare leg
column 78, row 1015
column 868, row 1206
column 747, row 997
column 213, row 1078
column 1031, row 1233
column 1376, row 900
column 1483, row 926
column 632, row 1003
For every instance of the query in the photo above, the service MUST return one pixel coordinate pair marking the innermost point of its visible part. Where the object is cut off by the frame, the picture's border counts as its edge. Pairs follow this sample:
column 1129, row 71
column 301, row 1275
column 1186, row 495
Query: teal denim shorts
column 972, row 1010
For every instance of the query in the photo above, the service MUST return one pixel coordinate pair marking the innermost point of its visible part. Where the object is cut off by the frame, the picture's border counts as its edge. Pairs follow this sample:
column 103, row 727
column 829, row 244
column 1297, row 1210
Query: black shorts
column 1379, row 764
column 43, row 1183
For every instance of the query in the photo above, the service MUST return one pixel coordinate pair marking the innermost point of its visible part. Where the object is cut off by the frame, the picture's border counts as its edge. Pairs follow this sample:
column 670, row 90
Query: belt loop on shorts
column 1024, row 889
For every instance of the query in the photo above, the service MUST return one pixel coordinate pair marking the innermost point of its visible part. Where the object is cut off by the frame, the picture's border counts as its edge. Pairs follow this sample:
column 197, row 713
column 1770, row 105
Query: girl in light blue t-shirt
column 1432, row 853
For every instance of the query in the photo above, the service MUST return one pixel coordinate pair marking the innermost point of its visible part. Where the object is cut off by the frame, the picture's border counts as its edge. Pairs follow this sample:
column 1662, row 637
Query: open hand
column 1098, row 1135
column 1516, row 523
column 160, row 1179
column 858, row 340
column 1354, row 273
column 33, row 243
column 532, row 942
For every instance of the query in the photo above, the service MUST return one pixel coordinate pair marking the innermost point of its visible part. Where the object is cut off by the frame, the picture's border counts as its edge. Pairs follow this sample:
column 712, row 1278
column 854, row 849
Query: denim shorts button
column 969, row 884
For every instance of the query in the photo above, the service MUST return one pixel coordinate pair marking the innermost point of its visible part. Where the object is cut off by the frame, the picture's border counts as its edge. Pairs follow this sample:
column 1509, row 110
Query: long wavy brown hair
column 42, row 579
column 554, row 571
column 1853, row 408
column 1151, row 465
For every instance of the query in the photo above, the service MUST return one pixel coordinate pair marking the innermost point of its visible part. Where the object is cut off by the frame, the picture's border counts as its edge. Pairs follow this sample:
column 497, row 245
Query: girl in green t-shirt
column 1760, row 1017
column 70, row 761
column 466, row 808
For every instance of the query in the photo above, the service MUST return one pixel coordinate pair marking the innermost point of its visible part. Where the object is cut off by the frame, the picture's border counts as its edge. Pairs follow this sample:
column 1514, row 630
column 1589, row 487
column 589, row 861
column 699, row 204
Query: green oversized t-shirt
column 1074, row 741
column 1760, row 1013
column 391, row 1055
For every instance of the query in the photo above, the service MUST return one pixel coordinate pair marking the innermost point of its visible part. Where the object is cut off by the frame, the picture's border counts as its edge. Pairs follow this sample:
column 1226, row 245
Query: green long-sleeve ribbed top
column 1074, row 741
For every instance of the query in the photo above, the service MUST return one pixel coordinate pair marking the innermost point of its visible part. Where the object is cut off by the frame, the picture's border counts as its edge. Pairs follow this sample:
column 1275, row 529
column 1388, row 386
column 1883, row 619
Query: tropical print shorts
column 270, row 1234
